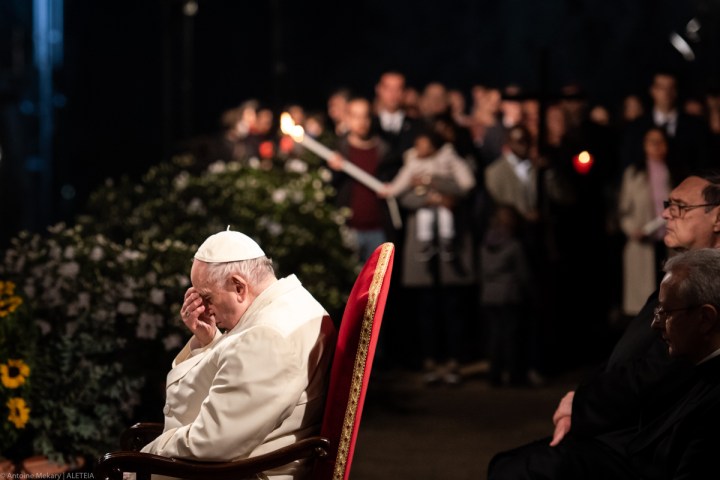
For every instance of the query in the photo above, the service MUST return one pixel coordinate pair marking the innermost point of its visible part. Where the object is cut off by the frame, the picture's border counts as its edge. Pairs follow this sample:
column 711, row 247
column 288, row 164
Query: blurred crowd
column 518, row 210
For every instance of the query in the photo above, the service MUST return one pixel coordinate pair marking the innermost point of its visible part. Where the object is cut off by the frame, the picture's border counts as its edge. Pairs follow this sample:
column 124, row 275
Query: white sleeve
column 258, row 383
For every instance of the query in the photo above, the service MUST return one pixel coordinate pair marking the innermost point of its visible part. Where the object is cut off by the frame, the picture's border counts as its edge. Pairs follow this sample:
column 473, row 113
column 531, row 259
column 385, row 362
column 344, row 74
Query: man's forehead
column 689, row 190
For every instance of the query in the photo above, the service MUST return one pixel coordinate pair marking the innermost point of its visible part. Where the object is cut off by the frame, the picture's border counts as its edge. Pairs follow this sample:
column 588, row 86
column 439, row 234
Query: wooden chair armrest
column 139, row 435
column 112, row 465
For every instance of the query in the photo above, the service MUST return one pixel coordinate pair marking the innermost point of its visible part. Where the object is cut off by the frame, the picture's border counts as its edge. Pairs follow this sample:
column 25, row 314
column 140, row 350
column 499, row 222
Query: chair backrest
column 352, row 363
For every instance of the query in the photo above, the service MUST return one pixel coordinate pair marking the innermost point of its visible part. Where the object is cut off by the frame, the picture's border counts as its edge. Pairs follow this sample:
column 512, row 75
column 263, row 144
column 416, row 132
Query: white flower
column 69, row 252
column 274, row 229
column 44, row 326
column 196, row 207
column 84, row 300
column 157, row 296
column 131, row 255
column 217, row 167
column 296, row 165
column 70, row 269
column 279, row 195
column 325, row 174
column 54, row 252
column 254, row 162
column 96, row 254
column 73, row 310
column 71, row 328
column 181, row 180
column 151, row 277
column 172, row 341
column 29, row 290
column 297, row 196
column 148, row 325
column 126, row 308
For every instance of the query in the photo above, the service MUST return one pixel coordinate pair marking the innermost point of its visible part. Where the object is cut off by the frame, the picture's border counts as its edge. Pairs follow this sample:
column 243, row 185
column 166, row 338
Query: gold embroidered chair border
column 360, row 361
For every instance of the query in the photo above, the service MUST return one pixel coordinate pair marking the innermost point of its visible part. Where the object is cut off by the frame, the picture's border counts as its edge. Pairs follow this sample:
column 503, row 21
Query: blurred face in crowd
column 632, row 108
column 664, row 92
column 519, row 142
column 691, row 228
column 336, row 107
column 434, row 100
column 357, row 117
column 655, row 145
column 424, row 147
column 389, row 91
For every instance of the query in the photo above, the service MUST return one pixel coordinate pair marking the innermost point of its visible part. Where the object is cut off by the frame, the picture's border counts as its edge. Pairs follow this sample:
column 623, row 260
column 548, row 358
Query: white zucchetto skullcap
column 228, row 246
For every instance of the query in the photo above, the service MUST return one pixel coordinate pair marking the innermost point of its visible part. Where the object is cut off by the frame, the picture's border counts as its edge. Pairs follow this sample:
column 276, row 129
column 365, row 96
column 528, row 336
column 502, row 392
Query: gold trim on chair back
column 374, row 299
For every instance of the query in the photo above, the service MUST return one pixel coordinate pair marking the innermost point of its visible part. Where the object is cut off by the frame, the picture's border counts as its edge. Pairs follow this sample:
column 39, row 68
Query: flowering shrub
column 101, row 313
column 287, row 209
column 87, row 351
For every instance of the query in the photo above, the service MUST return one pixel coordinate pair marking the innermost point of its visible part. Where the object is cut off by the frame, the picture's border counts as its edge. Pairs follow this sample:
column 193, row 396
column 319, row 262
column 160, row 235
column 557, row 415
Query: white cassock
column 256, row 388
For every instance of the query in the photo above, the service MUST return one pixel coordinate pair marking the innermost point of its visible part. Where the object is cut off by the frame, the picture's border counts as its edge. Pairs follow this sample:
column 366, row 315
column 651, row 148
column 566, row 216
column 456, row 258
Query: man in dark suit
column 390, row 120
column 688, row 135
column 603, row 412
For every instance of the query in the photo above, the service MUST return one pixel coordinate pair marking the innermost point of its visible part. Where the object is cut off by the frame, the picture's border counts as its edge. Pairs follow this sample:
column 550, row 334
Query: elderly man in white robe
column 261, row 384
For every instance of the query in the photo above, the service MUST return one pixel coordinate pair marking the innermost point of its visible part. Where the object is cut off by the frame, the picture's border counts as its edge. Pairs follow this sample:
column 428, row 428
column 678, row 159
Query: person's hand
column 196, row 317
column 562, row 418
column 336, row 161
column 421, row 181
column 433, row 198
column 384, row 192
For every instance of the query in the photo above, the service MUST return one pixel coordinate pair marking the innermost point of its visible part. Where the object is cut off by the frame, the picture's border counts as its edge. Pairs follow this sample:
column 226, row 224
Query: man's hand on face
column 195, row 316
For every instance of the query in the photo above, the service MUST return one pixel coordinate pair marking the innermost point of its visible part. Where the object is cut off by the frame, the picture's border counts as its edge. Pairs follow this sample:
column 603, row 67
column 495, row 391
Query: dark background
column 129, row 80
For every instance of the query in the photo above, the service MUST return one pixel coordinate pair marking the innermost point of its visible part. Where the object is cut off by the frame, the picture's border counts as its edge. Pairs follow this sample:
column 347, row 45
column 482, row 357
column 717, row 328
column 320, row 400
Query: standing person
column 645, row 185
column 254, row 375
column 369, row 223
column 390, row 120
column 436, row 284
column 504, row 293
column 511, row 178
column 687, row 135
column 607, row 405
column 336, row 105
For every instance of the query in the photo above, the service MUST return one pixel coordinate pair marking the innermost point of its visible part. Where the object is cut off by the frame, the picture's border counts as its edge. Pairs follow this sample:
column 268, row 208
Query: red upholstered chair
column 332, row 450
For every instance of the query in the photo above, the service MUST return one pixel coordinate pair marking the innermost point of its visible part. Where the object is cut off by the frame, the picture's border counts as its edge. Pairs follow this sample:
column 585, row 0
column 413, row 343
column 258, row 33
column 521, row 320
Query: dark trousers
column 573, row 459
column 440, row 321
column 503, row 330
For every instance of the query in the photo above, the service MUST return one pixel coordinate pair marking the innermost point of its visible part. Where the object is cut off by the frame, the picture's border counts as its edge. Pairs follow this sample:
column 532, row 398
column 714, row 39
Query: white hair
column 255, row 270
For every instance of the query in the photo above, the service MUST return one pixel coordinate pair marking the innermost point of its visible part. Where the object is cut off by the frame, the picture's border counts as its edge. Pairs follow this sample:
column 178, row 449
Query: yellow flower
column 9, row 302
column 14, row 373
column 19, row 412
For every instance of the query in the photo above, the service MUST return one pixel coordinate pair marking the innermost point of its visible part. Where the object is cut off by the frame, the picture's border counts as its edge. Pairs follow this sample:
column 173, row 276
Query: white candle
column 297, row 133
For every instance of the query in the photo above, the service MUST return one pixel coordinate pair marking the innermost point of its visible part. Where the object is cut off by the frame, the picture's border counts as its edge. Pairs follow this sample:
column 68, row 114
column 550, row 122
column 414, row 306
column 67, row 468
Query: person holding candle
column 369, row 223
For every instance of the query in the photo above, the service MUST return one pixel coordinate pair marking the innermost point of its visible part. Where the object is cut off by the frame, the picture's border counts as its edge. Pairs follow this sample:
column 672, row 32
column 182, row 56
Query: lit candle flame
column 584, row 157
column 288, row 127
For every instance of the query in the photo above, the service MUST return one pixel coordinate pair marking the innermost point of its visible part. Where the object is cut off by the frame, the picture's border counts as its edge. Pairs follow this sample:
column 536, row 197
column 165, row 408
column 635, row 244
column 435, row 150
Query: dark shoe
column 426, row 252
column 447, row 252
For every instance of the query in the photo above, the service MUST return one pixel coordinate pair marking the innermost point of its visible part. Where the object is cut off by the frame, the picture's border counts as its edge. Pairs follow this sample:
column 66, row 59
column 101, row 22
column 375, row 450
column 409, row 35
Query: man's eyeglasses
column 676, row 209
column 661, row 315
